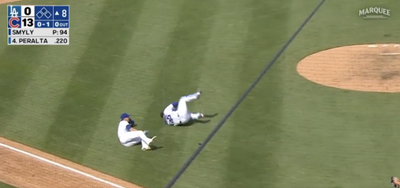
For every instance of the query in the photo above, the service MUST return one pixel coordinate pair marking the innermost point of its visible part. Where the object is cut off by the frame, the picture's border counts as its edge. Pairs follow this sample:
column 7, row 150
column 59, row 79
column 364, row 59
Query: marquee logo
column 374, row 13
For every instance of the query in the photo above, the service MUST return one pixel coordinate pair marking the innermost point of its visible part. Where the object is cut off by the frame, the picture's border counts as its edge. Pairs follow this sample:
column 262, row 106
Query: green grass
column 139, row 56
column 91, row 83
column 3, row 185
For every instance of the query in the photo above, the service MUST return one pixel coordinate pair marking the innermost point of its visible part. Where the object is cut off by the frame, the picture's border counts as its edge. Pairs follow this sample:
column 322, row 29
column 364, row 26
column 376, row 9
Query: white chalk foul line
column 61, row 166
column 389, row 53
column 383, row 45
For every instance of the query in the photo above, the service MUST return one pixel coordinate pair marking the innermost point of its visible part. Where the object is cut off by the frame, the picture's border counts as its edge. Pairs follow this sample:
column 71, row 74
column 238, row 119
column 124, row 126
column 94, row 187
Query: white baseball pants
column 183, row 112
column 134, row 137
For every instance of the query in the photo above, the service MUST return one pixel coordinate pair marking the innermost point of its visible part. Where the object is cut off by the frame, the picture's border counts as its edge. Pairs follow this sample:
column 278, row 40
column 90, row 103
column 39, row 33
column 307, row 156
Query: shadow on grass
column 153, row 147
column 199, row 121
column 210, row 115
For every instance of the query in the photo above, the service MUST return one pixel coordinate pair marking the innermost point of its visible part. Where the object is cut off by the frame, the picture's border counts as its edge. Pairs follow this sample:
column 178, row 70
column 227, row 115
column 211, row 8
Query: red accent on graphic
column 11, row 22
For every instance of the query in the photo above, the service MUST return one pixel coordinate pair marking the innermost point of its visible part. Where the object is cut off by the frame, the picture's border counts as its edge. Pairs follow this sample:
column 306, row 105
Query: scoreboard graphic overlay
column 38, row 24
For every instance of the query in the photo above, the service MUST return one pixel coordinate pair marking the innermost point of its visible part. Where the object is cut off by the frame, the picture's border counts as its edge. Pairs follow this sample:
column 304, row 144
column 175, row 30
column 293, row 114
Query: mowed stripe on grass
column 220, row 80
column 78, row 114
column 179, row 42
column 42, row 96
column 180, row 77
column 16, row 71
column 256, row 131
column 132, row 92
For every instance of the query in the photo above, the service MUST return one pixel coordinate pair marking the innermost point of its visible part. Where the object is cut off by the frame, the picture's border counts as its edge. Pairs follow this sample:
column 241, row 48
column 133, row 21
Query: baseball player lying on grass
column 177, row 113
column 395, row 182
column 129, row 136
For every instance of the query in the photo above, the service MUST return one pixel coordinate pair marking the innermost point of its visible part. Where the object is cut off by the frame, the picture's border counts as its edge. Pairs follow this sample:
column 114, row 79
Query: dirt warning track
column 7, row 1
column 25, row 167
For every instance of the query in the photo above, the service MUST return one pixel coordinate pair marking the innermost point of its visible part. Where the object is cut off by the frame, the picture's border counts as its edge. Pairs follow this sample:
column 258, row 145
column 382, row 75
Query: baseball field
column 325, row 114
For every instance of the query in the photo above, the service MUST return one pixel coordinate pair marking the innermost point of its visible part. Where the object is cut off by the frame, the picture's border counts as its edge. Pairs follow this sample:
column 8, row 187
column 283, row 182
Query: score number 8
column 64, row 13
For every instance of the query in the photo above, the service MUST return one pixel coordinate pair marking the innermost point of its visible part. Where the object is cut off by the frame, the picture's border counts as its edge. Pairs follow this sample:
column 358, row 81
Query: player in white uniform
column 395, row 182
column 129, row 136
column 177, row 113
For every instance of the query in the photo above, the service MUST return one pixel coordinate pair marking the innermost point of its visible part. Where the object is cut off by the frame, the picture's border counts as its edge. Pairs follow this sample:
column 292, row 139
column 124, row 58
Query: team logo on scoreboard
column 13, row 11
column 13, row 21
column 38, row 24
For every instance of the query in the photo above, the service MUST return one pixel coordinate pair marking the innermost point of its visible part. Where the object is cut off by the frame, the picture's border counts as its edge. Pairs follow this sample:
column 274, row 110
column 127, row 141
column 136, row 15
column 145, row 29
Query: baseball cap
column 124, row 115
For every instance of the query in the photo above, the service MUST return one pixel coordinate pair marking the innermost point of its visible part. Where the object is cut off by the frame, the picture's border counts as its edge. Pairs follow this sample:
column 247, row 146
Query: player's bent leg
column 146, row 142
column 182, row 108
column 185, row 119
column 131, row 143
column 143, row 137
column 190, row 97
column 128, row 139
column 135, row 137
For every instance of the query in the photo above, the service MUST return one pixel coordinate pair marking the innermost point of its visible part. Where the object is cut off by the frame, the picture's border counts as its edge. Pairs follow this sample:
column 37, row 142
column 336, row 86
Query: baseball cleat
column 198, row 94
column 151, row 140
column 146, row 148
column 149, row 144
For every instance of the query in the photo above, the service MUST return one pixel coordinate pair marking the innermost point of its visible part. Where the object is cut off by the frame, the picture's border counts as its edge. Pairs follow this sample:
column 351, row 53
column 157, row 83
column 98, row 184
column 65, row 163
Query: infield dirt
column 369, row 67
